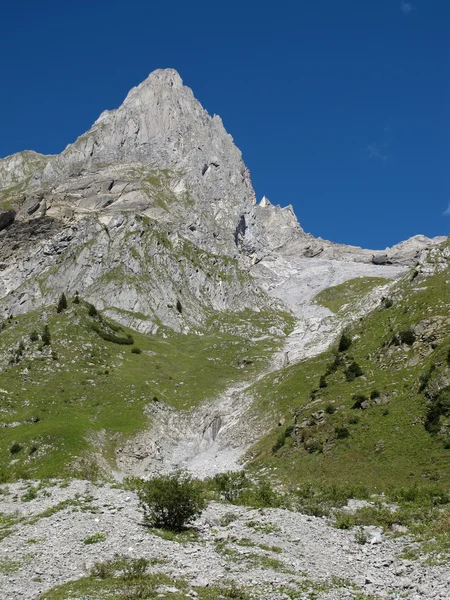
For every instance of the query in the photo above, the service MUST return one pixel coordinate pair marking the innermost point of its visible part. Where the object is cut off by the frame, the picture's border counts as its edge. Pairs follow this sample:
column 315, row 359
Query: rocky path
column 270, row 551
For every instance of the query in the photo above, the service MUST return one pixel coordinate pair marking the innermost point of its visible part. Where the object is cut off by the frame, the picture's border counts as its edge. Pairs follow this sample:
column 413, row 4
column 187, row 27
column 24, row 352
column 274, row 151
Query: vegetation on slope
column 376, row 413
column 74, row 386
column 340, row 297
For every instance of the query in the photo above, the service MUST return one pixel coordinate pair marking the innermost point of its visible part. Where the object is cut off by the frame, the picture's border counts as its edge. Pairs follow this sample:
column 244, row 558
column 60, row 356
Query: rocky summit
column 155, row 317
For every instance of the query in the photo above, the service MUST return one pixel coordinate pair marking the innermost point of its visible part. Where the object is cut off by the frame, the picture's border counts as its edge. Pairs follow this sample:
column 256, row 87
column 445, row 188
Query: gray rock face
column 161, row 157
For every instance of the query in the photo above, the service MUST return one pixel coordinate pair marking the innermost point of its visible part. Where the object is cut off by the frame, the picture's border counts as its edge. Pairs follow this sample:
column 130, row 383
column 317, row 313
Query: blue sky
column 340, row 107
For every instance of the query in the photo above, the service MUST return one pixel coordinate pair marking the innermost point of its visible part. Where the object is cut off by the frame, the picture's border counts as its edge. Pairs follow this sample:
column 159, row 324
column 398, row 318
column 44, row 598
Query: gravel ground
column 298, row 552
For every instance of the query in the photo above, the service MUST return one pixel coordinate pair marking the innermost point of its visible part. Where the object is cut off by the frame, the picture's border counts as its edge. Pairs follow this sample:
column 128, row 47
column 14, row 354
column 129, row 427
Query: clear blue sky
column 340, row 107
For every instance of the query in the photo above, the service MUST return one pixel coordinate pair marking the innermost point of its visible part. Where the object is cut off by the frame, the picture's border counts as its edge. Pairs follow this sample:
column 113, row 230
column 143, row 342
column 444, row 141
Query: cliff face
column 153, row 202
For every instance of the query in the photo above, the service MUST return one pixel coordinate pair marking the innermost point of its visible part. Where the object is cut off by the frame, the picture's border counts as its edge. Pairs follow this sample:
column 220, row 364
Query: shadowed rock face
column 161, row 156
column 6, row 218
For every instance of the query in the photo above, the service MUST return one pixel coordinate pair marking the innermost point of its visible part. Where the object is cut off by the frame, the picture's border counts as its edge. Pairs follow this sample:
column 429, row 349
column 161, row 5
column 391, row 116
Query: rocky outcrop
column 162, row 157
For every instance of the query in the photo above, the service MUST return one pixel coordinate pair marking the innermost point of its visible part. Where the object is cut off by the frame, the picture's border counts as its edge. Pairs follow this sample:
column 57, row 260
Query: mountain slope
column 150, row 217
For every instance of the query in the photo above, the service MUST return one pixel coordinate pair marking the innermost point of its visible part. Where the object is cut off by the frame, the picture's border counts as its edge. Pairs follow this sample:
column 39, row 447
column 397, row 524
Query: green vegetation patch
column 124, row 578
column 68, row 394
column 382, row 419
column 339, row 296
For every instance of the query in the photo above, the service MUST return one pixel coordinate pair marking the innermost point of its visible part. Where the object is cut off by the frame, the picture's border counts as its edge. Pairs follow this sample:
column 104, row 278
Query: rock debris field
column 273, row 553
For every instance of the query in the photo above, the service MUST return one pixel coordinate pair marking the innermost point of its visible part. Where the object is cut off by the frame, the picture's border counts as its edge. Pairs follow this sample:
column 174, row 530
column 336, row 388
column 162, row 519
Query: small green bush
column 330, row 409
column 334, row 366
column 76, row 298
column 95, row 538
column 230, row 484
column 112, row 337
column 407, row 337
column 374, row 394
column 353, row 371
column 179, row 307
column 171, row 501
column 387, row 303
column 92, row 311
column 344, row 521
column 30, row 494
column 358, row 399
column 15, row 448
column 34, row 336
column 425, row 378
column 341, row 433
column 440, row 407
column 136, row 350
column 281, row 440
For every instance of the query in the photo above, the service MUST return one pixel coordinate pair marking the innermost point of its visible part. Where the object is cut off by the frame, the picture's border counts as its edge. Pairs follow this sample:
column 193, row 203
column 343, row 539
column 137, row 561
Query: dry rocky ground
column 274, row 553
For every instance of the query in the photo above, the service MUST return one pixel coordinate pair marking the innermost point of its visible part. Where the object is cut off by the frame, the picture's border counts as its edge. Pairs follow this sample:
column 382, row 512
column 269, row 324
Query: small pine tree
column 323, row 382
column 92, row 312
column 46, row 337
column 345, row 342
column 34, row 336
column 76, row 299
column 62, row 304
column 179, row 307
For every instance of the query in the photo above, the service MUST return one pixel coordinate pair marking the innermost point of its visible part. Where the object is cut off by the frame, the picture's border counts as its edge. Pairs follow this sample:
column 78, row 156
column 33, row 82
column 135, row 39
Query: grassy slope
column 389, row 445
column 91, row 395
column 341, row 296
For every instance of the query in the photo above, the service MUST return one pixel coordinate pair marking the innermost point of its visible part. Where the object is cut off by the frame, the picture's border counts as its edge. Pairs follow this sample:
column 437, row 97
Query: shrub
column 92, row 311
column 76, row 298
column 344, row 521
column 62, row 304
column 171, row 501
column 345, row 342
column 387, row 303
column 358, row 399
column 374, row 394
column 95, row 538
column 111, row 337
column 448, row 357
column 34, row 336
column 439, row 408
column 312, row 445
column 179, row 307
column 230, row 484
column 424, row 378
column 282, row 438
column 353, row 371
column 323, row 382
column 330, row 409
column 136, row 350
column 407, row 337
column 334, row 366
column 341, row 433
column 46, row 337
column 15, row 448
column 353, row 420
column 30, row 494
